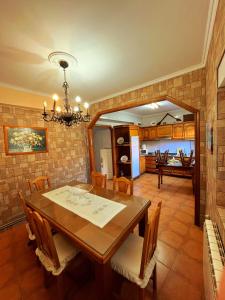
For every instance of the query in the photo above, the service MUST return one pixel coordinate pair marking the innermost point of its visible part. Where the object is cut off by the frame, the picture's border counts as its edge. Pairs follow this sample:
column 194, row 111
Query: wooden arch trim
column 148, row 101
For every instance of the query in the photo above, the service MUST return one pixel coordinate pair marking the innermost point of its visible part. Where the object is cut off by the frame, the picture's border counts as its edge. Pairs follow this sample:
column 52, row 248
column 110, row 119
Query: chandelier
column 69, row 114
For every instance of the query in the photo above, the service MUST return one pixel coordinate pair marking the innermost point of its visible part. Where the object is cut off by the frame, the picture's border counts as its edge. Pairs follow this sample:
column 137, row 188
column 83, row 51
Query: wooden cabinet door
column 145, row 134
column 152, row 133
column 141, row 134
column 142, row 164
column 178, row 131
column 164, row 131
column 189, row 131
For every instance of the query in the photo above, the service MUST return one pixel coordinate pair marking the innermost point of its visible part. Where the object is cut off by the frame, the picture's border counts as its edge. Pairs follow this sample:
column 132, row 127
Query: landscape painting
column 25, row 140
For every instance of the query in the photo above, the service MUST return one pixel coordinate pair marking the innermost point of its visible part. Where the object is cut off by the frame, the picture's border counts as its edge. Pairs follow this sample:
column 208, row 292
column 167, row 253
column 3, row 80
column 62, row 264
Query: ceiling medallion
column 69, row 114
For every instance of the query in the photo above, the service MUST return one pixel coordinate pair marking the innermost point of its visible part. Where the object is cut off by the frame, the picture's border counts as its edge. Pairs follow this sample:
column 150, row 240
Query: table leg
column 159, row 179
column 142, row 224
column 103, row 281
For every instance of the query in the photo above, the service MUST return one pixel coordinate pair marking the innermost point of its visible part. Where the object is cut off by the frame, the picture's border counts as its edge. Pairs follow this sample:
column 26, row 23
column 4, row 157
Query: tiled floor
column 179, row 266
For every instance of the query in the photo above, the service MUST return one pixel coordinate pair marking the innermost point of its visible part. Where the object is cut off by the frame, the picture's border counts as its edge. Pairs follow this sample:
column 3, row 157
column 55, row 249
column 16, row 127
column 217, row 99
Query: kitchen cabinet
column 189, row 131
column 152, row 133
column 150, row 164
column 142, row 164
column 178, row 131
column 148, row 133
column 164, row 131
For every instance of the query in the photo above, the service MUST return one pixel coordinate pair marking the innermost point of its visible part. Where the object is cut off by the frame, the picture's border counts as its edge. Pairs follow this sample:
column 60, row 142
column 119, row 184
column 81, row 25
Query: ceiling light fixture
column 153, row 105
column 69, row 114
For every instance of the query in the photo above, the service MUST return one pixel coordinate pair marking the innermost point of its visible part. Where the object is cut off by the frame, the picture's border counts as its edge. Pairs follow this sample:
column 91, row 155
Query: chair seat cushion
column 30, row 234
column 127, row 261
column 65, row 250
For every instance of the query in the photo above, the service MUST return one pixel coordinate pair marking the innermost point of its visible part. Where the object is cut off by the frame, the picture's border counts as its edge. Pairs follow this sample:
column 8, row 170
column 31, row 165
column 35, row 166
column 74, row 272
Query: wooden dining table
column 99, row 244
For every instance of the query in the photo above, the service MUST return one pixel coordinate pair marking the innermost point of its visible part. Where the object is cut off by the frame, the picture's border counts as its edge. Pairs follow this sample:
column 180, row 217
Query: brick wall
column 65, row 161
column 215, row 115
column 188, row 89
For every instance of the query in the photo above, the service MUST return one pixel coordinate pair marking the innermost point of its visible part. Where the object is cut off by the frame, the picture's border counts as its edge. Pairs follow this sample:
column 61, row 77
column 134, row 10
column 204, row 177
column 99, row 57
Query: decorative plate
column 124, row 158
column 120, row 140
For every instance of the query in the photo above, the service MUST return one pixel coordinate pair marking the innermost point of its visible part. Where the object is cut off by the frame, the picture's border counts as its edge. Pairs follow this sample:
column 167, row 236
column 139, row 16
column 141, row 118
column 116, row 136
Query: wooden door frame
column 196, row 113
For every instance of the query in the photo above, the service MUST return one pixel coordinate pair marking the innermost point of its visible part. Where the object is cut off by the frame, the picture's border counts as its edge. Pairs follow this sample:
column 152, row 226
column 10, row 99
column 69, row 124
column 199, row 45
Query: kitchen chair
column 29, row 225
column 39, row 183
column 123, row 184
column 136, row 258
column 98, row 179
column 55, row 252
column 186, row 161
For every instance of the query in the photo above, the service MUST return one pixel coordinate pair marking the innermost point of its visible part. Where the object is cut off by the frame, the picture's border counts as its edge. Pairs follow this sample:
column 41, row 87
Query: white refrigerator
column 106, row 162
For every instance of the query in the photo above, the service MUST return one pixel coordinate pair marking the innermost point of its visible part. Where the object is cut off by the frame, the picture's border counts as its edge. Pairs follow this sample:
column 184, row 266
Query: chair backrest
column 25, row 209
column 162, row 159
column 39, row 183
column 186, row 161
column 150, row 239
column 43, row 234
column 123, row 185
column 98, row 179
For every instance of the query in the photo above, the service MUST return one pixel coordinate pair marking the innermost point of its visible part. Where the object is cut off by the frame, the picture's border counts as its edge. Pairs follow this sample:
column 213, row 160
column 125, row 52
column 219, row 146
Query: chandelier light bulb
column 55, row 97
column 78, row 99
column 58, row 109
column 86, row 105
column 76, row 108
column 45, row 104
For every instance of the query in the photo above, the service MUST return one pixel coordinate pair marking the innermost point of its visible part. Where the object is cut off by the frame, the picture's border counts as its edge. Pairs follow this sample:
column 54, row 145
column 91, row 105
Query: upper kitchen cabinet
column 164, row 131
column 152, row 133
column 178, row 131
column 148, row 133
column 189, row 131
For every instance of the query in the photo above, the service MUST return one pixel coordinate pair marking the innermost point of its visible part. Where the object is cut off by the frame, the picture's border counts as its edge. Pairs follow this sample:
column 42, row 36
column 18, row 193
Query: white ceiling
column 145, row 110
column 118, row 44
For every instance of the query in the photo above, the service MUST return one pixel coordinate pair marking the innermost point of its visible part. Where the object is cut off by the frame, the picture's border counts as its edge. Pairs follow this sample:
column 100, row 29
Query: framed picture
column 25, row 140
column 209, row 137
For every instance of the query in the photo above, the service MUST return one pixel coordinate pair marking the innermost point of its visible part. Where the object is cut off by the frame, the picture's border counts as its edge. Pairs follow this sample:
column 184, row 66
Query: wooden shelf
column 124, row 163
column 123, row 145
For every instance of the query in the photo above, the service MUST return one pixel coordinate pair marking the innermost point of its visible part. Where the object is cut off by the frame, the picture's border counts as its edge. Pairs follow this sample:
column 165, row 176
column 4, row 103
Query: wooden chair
column 98, row 179
column 39, row 183
column 55, row 252
column 29, row 225
column 161, row 159
column 123, row 185
column 136, row 258
column 186, row 161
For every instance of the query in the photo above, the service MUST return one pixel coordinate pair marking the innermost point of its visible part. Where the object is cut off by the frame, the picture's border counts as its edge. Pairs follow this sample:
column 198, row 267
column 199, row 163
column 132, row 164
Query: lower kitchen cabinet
column 142, row 164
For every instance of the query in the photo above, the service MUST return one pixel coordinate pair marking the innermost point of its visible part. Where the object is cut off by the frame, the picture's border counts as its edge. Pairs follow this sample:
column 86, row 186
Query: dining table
column 98, row 243
column 176, row 167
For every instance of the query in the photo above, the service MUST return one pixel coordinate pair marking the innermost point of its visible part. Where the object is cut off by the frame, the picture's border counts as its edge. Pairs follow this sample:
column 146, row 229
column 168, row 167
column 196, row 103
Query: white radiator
column 213, row 259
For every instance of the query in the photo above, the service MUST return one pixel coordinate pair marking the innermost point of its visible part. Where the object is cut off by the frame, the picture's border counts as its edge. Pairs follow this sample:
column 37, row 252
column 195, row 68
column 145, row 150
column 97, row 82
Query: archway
column 148, row 101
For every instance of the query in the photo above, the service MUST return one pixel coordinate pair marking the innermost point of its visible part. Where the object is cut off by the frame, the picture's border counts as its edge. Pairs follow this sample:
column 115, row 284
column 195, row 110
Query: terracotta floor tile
column 177, row 287
column 166, row 254
column 193, row 249
column 162, row 272
column 189, row 268
column 184, row 217
column 11, row 291
column 178, row 227
column 7, row 273
column 6, row 255
column 171, row 238
column 5, row 239
column 31, row 280
column 196, row 233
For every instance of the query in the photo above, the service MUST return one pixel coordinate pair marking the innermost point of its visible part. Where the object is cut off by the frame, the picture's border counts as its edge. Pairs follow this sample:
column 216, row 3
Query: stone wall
column 187, row 89
column 215, row 117
column 65, row 161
